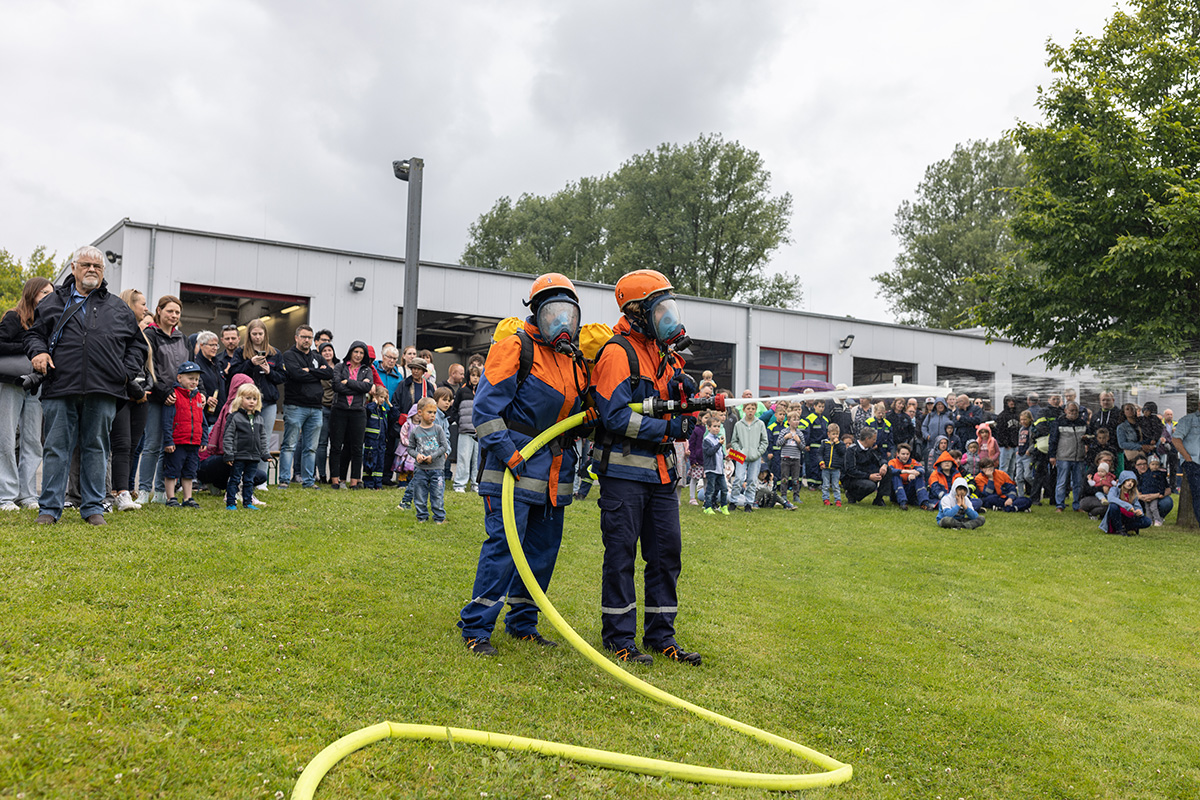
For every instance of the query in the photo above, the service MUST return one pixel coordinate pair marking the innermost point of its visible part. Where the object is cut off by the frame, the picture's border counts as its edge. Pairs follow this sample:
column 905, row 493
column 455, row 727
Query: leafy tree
column 14, row 273
column 1111, row 211
column 956, row 228
column 700, row 213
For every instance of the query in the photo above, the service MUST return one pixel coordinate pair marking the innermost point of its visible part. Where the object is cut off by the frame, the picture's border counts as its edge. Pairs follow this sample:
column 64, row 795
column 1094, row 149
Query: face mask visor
column 666, row 322
column 558, row 322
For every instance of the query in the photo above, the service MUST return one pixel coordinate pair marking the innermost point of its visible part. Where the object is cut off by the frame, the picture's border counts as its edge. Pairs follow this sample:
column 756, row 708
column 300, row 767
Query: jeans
column 831, row 479
column 82, row 420
column 467, row 467
column 20, row 412
column 241, row 473
column 745, row 483
column 1008, row 460
column 429, row 493
column 301, row 425
column 269, row 413
column 715, row 491
column 323, row 445
column 1073, row 471
column 150, row 467
column 1024, row 473
column 1191, row 474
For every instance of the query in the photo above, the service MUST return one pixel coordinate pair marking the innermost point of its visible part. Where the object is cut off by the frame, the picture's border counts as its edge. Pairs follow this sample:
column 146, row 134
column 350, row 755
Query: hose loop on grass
column 835, row 771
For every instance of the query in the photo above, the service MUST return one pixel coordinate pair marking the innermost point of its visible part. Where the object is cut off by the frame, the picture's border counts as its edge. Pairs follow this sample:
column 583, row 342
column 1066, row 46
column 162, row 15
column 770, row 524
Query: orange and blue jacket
column 1000, row 482
column 899, row 466
column 637, row 447
column 939, row 484
column 507, row 418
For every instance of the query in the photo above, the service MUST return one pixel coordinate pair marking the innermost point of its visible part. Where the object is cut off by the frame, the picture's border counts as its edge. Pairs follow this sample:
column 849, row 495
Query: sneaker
column 1158, row 523
column 710, row 511
column 125, row 502
column 537, row 637
column 8, row 505
column 46, row 519
column 481, row 647
column 173, row 503
column 190, row 503
column 107, row 505
column 629, row 653
column 30, row 505
column 749, row 507
column 283, row 486
column 460, row 491
column 673, row 652
column 828, row 503
column 144, row 497
column 838, row 504
column 693, row 503
column 252, row 507
column 231, row 508
column 262, row 487
column 160, row 497
column 725, row 510
column 254, row 501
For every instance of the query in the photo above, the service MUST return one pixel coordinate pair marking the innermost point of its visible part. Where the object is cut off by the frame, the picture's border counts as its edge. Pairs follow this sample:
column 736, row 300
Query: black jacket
column 862, row 464
column 304, row 388
column 170, row 351
column 211, row 385
column 406, row 394
column 99, row 351
column 267, row 382
column 1008, row 424
column 356, row 389
column 12, row 341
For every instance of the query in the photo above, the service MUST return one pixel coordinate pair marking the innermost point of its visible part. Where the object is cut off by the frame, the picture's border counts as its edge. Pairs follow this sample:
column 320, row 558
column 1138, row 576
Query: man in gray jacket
column 1068, row 452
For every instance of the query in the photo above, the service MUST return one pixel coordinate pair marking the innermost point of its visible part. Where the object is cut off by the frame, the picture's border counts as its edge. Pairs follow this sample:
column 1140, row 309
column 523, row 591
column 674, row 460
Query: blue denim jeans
column 301, row 426
column 1072, row 471
column 831, row 480
column 149, row 470
column 19, row 411
column 715, row 491
column 745, row 483
column 241, row 475
column 1008, row 460
column 429, row 488
column 84, row 420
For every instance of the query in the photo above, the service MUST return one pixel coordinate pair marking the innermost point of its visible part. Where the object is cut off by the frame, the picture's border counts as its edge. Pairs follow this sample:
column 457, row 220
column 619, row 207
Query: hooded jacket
column 1008, row 424
column 244, row 437
column 1000, row 484
column 1128, row 509
column 948, row 505
column 1066, row 439
column 939, row 484
column 935, row 422
column 350, row 391
column 169, row 350
column 99, row 351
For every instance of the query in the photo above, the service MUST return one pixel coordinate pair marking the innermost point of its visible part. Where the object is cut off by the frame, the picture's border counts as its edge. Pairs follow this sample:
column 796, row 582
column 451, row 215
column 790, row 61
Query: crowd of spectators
column 94, row 404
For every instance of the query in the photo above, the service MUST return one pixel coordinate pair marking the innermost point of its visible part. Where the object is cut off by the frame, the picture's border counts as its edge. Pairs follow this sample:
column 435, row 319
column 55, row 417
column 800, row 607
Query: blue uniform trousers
column 496, row 578
column 911, row 493
column 633, row 512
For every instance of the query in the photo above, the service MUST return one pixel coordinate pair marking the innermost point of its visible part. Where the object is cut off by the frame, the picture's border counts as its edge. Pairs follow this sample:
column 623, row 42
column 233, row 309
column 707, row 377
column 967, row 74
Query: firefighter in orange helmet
column 634, row 457
column 531, row 380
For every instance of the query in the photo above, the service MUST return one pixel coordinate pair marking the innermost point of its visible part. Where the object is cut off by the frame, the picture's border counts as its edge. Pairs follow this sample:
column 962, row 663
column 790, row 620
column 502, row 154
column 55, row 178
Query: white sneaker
column 262, row 487
column 9, row 505
column 144, row 497
column 460, row 491
column 31, row 504
column 160, row 497
column 126, row 503
column 255, row 501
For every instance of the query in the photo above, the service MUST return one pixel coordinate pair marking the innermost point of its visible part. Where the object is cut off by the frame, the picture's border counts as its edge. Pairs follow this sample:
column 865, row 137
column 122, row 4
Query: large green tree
column 14, row 273
column 701, row 213
column 956, row 228
column 1111, row 212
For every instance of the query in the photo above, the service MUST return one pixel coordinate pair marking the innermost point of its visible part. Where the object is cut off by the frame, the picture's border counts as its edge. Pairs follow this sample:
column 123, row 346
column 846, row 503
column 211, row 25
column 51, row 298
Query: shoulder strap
column 635, row 369
column 525, row 366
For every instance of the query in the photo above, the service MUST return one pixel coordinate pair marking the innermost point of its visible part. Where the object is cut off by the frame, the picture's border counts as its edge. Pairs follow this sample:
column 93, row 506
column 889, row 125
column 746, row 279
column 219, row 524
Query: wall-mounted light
column 844, row 344
column 113, row 258
column 290, row 309
column 445, row 349
column 265, row 318
column 358, row 284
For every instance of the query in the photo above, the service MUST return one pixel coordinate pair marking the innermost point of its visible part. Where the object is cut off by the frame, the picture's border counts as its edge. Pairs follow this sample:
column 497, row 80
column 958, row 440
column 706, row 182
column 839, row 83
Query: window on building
column 971, row 382
column 779, row 369
column 877, row 370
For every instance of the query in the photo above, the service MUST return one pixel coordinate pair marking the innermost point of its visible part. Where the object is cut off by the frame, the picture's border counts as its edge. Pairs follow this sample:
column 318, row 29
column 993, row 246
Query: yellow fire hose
column 835, row 771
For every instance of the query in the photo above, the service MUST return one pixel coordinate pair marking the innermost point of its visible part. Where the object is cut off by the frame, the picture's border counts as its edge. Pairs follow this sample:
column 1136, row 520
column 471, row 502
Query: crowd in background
column 348, row 421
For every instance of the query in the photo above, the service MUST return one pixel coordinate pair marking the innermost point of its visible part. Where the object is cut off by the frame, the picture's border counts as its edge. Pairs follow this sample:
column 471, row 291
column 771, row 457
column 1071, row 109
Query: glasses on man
column 228, row 328
column 89, row 265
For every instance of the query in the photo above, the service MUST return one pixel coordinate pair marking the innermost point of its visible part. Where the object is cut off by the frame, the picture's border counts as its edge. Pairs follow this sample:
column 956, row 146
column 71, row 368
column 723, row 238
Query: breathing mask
column 557, row 319
column 665, row 324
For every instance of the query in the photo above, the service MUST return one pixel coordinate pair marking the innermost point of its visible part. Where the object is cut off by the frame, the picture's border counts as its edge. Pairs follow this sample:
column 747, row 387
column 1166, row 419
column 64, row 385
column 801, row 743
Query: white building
column 225, row 279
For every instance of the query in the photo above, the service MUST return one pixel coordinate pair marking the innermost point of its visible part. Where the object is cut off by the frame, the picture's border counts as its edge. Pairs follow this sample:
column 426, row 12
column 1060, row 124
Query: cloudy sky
column 281, row 120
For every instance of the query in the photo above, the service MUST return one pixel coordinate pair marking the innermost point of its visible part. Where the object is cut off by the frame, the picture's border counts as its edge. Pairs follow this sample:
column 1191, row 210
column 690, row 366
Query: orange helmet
column 550, row 282
column 640, row 284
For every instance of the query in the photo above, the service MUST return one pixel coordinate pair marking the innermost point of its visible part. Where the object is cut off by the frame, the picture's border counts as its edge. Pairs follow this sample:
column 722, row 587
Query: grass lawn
column 212, row 654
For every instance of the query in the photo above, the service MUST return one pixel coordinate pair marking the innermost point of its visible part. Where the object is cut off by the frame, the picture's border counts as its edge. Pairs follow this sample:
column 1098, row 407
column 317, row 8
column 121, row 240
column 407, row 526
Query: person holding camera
column 20, row 409
column 87, row 344
column 130, row 421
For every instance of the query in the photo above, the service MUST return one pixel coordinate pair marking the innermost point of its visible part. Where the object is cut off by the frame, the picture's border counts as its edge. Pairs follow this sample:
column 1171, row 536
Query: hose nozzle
column 657, row 407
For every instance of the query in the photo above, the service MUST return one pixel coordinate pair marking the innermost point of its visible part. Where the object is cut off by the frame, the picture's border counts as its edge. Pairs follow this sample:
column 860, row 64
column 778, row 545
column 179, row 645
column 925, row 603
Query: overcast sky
column 281, row 120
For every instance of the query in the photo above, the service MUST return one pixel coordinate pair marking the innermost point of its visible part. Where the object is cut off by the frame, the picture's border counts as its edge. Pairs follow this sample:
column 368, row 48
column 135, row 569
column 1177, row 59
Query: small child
column 1125, row 516
column 1024, row 469
column 908, row 479
column 793, row 448
column 430, row 445
column 831, row 458
column 716, row 490
column 444, row 397
column 956, row 510
column 375, row 438
column 245, row 446
column 1101, row 443
column 183, row 431
column 1153, row 489
column 765, row 495
column 970, row 459
column 1102, row 479
column 940, row 445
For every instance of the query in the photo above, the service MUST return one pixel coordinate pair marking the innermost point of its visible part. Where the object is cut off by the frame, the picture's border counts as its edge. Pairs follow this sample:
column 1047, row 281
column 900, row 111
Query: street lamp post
column 410, row 171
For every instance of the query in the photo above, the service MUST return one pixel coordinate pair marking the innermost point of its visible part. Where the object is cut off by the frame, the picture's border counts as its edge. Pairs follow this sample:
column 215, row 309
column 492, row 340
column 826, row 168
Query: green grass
column 211, row 654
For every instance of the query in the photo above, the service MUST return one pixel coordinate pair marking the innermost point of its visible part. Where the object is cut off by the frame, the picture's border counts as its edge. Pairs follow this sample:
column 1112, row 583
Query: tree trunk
column 1187, row 516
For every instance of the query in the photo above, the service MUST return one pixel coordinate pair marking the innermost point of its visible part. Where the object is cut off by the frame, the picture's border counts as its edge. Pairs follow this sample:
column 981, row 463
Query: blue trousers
column 429, row 496
column 632, row 512
column 301, row 428
column 1069, row 471
column 716, row 493
column 997, row 502
column 912, row 492
column 82, row 420
column 496, row 578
